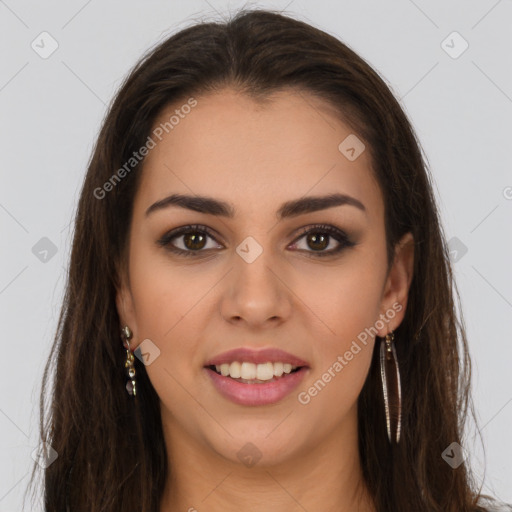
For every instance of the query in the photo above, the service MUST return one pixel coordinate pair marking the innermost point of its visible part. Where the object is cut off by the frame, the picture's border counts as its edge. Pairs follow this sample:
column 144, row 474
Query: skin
column 192, row 308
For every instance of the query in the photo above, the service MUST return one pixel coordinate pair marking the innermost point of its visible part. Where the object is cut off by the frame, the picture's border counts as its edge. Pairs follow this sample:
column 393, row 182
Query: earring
column 391, row 387
column 127, row 334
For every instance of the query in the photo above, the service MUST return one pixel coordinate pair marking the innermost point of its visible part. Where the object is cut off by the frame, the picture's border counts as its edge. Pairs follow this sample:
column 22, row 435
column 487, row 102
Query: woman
column 258, row 257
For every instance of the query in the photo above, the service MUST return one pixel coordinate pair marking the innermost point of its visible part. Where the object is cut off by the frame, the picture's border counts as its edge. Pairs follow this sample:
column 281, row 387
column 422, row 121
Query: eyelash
column 334, row 232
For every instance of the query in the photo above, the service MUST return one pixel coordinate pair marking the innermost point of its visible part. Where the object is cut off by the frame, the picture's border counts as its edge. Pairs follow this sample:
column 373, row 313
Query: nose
column 257, row 292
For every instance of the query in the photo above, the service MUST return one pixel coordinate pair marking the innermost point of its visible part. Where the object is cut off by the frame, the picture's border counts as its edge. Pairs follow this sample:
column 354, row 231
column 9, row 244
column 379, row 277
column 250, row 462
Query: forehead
column 231, row 147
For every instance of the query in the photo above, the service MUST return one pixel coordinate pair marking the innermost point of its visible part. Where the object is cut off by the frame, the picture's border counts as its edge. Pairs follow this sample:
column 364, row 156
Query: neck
column 324, row 477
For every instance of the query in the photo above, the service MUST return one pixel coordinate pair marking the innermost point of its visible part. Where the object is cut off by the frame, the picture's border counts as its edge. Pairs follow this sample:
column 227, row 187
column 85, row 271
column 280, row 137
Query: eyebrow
column 294, row 208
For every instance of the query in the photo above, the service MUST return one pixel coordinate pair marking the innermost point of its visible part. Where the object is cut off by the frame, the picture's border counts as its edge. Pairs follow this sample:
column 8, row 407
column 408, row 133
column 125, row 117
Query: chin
column 261, row 444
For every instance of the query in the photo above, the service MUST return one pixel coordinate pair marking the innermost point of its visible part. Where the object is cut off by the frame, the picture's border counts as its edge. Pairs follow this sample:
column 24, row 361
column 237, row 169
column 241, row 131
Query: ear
column 396, row 289
column 126, row 311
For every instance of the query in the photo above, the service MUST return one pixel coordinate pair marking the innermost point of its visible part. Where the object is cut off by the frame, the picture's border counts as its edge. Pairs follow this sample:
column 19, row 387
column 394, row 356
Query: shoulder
column 496, row 507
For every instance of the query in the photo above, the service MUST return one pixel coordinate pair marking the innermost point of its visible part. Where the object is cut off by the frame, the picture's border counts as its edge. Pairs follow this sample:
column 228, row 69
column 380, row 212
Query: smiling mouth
column 250, row 373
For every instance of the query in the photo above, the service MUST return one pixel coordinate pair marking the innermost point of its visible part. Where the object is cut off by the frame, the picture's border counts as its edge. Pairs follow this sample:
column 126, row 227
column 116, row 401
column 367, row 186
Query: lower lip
column 256, row 394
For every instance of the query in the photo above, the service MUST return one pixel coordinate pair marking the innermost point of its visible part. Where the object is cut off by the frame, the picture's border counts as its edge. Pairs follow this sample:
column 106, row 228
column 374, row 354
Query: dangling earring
column 131, row 387
column 391, row 387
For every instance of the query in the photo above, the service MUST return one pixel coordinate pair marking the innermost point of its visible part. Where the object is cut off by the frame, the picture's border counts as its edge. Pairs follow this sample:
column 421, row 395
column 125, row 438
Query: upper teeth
column 265, row 371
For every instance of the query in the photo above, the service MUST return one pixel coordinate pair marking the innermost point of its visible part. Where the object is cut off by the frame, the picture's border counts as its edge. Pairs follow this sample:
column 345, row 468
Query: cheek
column 343, row 346
column 347, row 301
column 168, row 310
column 163, row 292
column 331, row 393
column 167, row 303
column 353, row 299
column 342, row 301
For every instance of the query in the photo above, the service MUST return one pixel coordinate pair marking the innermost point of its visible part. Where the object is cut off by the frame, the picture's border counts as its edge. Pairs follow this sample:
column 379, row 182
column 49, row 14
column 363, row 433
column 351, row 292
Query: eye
column 191, row 238
column 320, row 236
column 194, row 239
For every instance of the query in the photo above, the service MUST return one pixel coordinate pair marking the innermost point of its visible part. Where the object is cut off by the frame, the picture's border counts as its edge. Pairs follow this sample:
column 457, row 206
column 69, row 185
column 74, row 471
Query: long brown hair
column 110, row 446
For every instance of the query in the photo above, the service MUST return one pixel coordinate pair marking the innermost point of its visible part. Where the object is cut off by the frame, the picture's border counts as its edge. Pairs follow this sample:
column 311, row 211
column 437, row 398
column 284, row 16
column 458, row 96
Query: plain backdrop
column 447, row 62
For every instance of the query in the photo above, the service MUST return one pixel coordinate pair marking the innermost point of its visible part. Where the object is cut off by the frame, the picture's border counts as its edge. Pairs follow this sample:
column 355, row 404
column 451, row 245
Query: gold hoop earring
column 391, row 387
column 131, row 385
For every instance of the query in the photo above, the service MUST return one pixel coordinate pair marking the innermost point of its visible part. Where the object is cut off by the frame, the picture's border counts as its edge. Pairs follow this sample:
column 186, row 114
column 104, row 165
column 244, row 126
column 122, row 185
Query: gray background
column 51, row 110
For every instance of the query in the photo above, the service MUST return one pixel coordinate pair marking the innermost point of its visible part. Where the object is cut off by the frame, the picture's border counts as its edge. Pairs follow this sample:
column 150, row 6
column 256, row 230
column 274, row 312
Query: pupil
column 315, row 237
column 194, row 239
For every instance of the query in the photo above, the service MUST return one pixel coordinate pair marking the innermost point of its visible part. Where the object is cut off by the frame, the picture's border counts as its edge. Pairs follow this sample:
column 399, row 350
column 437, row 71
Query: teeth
column 265, row 371
column 224, row 369
column 248, row 371
column 251, row 371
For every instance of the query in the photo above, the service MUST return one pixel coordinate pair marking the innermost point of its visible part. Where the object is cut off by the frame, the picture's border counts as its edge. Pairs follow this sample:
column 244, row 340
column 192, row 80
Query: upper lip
column 250, row 355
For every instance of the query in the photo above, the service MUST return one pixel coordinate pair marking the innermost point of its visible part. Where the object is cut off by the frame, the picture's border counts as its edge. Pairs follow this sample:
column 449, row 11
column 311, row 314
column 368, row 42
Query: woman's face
column 257, row 280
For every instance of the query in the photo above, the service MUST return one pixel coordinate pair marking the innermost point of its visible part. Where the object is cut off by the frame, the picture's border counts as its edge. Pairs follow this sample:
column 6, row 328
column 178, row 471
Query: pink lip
column 248, row 355
column 256, row 394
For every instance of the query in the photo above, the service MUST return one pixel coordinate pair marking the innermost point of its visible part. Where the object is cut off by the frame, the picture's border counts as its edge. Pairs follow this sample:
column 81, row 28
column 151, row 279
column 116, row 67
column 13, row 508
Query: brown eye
column 188, row 241
column 318, row 238
column 194, row 241
column 317, row 241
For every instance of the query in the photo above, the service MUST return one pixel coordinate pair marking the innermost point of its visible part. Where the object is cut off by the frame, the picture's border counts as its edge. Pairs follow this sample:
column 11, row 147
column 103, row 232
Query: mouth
column 251, row 373
column 263, row 380
column 252, row 377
